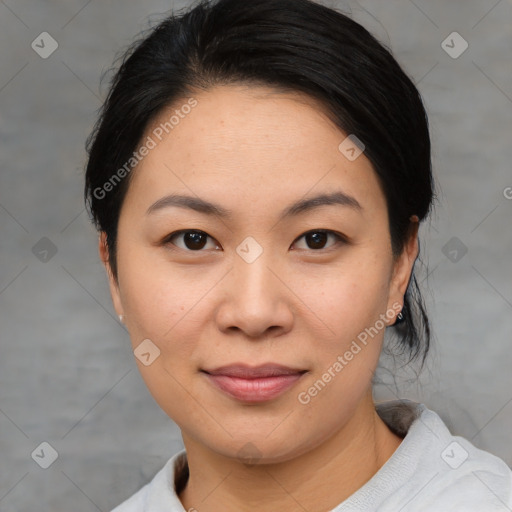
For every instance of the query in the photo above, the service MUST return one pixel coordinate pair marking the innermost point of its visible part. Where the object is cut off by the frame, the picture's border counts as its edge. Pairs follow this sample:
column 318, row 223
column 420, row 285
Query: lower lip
column 254, row 390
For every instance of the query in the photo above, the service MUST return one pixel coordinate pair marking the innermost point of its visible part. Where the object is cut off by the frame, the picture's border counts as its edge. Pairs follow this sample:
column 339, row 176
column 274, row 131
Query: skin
column 255, row 151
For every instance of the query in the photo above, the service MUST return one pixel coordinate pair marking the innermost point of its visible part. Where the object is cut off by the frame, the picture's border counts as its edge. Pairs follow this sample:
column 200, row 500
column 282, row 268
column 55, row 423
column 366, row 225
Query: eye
column 317, row 238
column 193, row 240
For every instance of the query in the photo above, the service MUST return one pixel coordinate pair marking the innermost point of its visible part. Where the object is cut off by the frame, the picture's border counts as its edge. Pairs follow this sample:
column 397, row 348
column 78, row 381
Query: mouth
column 253, row 383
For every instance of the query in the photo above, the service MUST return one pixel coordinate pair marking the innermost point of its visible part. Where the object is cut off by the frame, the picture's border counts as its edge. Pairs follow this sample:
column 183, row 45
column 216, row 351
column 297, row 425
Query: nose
column 256, row 300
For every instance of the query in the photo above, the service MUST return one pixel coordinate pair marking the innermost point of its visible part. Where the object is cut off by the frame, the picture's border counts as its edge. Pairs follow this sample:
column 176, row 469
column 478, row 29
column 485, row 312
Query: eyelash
column 340, row 238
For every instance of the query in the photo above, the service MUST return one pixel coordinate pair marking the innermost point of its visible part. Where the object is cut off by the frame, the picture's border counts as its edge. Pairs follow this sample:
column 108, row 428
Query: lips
column 253, row 383
column 254, row 372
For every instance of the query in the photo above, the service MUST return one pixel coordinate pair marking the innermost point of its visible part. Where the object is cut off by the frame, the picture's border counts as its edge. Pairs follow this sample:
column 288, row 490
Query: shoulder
column 135, row 502
column 469, row 479
column 159, row 493
column 446, row 470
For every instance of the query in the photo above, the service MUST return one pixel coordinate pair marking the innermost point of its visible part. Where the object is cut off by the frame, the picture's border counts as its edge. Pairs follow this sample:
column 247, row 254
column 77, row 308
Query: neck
column 317, row 480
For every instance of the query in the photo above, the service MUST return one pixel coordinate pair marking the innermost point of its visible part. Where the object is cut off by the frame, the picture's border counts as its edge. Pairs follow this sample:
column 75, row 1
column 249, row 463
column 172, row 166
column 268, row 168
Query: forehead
column 253, row 141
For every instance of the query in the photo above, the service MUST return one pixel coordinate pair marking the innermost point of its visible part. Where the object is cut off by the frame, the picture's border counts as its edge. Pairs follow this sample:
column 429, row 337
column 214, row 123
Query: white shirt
column 431, row 471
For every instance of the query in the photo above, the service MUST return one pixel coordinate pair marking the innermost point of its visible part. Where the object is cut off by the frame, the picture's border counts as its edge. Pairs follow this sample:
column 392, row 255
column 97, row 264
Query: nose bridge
column 252, row 274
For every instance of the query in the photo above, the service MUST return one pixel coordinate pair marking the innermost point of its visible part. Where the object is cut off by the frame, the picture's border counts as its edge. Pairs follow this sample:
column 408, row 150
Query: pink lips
column 254, row 384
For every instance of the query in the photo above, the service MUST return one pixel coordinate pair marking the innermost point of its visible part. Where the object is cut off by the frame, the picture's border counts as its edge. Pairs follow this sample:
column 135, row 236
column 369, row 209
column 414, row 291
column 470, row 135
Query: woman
column 258, row 176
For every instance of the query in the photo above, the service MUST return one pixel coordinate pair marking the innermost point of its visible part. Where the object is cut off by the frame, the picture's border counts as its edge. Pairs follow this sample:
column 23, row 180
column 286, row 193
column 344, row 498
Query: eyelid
column 341, row 238
column 167, row 239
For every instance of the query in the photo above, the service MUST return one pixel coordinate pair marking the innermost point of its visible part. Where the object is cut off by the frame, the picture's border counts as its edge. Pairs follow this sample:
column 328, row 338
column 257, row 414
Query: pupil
column 318, row 239
column 194, row 239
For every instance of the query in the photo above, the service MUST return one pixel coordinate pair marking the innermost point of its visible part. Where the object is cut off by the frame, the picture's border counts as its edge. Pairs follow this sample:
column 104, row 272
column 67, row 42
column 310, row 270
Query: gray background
column 67, row 373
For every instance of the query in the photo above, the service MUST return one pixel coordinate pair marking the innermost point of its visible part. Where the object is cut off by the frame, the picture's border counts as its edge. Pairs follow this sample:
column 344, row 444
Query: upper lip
column 253, row 372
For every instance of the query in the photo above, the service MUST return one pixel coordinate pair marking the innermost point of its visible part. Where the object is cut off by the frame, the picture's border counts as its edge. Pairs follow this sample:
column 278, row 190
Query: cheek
column 350, row 296
column 157, row 297
column 161, row 305
column 166, row 303
column 349, row 304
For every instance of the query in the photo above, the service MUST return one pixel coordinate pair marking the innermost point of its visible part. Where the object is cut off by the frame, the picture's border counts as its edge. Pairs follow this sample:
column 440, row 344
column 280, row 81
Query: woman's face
column 253, row 288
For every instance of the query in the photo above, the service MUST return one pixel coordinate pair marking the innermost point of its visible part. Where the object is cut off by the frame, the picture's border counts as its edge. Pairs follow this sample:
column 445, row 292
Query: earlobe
column 404, row 265
column 102, row 247
column 409, row 254
column 103, row 252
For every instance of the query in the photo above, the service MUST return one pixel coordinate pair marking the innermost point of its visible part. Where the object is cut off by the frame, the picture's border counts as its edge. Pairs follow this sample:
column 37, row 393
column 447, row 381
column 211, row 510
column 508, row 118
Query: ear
column 403, row 266
column 113, row 284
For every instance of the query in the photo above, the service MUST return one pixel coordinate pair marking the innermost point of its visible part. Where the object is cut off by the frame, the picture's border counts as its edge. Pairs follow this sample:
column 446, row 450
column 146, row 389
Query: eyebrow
column 208, row 208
